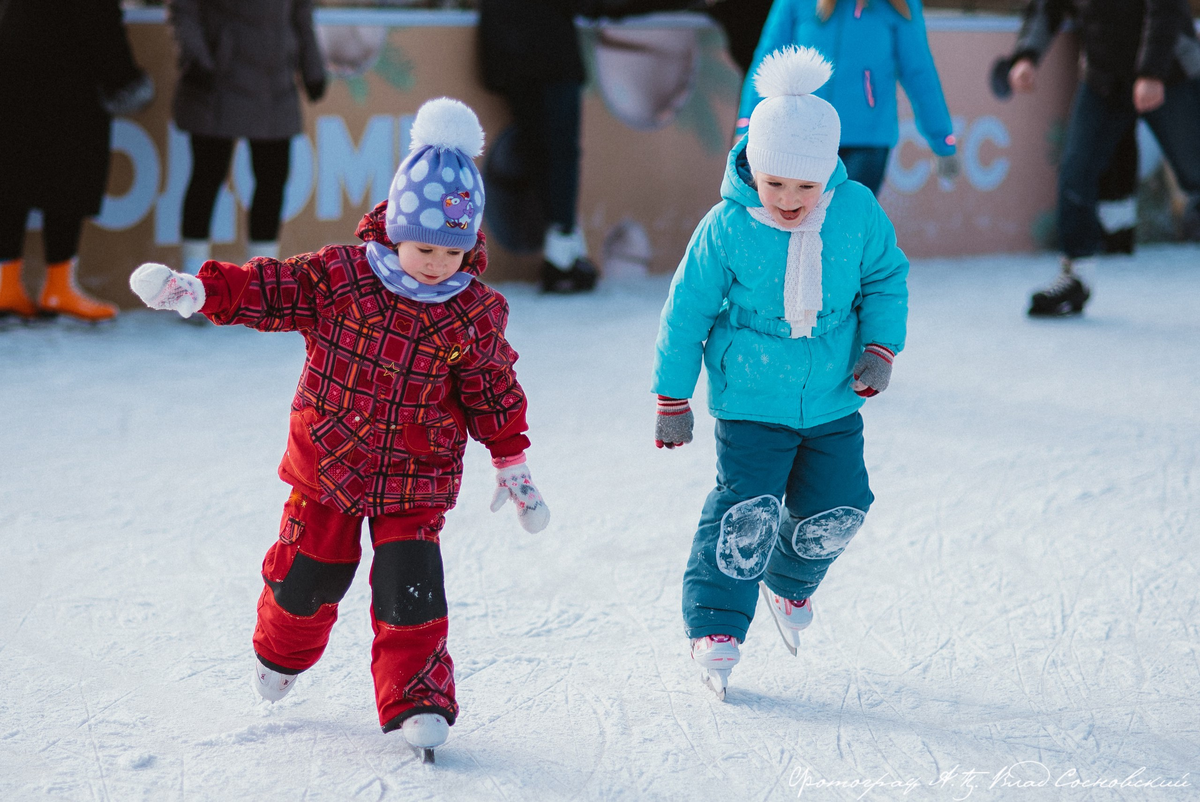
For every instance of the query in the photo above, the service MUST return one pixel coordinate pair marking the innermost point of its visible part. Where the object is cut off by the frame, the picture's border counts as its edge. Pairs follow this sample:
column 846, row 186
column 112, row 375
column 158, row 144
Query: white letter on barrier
column 985, row 178
column 340, row 164
column 126, row 211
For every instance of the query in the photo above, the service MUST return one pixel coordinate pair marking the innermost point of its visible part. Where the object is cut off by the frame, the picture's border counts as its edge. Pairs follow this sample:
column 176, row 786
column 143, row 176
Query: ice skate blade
column 717, row 680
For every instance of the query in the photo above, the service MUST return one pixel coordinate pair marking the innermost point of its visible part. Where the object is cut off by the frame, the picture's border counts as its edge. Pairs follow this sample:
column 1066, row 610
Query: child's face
column 429, row 264
column 788, row 200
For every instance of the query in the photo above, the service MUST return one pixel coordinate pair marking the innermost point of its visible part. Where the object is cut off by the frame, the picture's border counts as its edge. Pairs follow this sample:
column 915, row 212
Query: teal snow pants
column 746, row 535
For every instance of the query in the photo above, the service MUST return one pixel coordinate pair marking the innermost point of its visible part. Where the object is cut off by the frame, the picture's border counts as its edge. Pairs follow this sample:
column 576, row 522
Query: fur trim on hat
column 445, row 123
column 792, row 70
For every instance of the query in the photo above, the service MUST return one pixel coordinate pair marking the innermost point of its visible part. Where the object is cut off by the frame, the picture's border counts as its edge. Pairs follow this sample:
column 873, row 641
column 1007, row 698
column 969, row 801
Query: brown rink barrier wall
column 658, row 114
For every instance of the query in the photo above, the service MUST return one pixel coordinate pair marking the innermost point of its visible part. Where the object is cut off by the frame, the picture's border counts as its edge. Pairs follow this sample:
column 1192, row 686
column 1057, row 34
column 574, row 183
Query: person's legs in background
column 866, row 165
column 61, row 294
column 547, row 121
column 1093, row 133
column 1176, row 125
column 1117, row 205
column 271, row 159
column 210, row 165
column 14, row 301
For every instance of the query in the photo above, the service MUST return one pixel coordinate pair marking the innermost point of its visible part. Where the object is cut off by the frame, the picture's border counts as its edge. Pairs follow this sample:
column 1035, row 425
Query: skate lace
column 1060, row 285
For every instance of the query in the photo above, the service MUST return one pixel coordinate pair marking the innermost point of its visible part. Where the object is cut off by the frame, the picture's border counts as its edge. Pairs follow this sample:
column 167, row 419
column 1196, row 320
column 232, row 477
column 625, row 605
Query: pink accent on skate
column 711, row 639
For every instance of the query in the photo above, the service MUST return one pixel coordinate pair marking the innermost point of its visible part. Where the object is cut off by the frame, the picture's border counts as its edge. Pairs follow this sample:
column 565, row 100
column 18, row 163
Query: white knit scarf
column 802, row 281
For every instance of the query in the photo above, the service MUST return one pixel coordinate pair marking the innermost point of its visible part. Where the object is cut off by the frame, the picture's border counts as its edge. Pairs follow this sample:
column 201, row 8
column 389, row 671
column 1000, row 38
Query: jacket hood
column 736, row 186
column 373, row 228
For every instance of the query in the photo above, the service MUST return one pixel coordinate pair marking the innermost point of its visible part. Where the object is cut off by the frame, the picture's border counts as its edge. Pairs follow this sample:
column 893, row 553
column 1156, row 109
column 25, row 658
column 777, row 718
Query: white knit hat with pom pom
column 436, row 196
column 793, row 133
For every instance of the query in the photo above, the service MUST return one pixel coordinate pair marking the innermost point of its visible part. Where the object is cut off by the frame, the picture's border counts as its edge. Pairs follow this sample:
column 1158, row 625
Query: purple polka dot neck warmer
column 386, row 265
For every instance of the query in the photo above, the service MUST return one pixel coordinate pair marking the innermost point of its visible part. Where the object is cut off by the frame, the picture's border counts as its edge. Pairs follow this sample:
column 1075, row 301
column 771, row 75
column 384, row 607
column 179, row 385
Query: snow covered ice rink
column 1024, row 591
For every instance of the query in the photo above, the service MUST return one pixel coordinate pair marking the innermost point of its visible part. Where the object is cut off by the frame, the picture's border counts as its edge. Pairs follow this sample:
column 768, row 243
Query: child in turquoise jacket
column 792, row 293
column 871, row 46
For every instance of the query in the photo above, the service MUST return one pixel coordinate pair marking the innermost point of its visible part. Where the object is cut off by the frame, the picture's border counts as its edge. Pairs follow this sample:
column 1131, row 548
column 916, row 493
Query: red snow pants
column 308, row 571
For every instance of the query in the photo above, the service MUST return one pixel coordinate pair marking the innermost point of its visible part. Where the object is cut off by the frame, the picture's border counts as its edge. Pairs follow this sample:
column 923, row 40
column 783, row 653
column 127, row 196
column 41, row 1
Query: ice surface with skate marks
column 1024, row 590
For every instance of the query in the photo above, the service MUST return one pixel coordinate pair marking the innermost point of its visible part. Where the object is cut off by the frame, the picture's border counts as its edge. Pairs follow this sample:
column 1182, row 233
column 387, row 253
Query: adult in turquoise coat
column 871, row 46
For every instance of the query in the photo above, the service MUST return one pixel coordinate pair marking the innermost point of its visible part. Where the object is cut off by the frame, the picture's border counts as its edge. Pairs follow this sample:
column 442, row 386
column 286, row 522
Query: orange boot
column 60, row 294
column 13, row 300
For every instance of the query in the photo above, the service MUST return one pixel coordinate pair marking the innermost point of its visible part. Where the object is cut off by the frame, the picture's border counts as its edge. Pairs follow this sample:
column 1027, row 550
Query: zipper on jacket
column 867, row 88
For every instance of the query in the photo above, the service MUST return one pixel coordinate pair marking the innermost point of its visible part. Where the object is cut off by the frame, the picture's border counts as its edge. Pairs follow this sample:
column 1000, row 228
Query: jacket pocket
column 432, row 447
column 764, row 367
column 300, row 459
column 416, row 439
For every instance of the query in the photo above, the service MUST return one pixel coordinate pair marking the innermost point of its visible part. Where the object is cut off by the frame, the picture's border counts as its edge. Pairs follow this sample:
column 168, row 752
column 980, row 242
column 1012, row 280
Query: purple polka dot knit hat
column 436, row 196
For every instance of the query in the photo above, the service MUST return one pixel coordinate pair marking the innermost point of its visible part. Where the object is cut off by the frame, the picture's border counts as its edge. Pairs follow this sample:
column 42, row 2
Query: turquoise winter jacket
column 726, row 307
column 870, row 48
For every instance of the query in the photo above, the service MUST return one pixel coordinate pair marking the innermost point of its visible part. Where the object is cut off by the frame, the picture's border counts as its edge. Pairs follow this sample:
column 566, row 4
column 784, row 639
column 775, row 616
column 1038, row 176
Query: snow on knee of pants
column 747, row 537
column 827, row 534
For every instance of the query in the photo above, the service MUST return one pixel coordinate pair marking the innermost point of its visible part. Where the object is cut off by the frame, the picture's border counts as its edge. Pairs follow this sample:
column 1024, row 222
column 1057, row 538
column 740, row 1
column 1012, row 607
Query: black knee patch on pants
column 310, row 583
column 407, row 586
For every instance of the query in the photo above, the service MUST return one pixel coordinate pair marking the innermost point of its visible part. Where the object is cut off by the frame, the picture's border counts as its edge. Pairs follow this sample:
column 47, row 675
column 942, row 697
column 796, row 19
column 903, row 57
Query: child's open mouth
column 790, row 214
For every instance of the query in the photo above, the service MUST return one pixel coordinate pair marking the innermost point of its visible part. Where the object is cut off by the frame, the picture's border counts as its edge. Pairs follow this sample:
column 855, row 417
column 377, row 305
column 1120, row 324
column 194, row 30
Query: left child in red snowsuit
column 406, row 358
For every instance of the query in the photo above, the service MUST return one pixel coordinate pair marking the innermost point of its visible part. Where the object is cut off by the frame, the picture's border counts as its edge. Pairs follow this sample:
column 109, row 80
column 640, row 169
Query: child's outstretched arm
column 698, row 292
column 493, row 404
column 264, row 294
column 883, row 307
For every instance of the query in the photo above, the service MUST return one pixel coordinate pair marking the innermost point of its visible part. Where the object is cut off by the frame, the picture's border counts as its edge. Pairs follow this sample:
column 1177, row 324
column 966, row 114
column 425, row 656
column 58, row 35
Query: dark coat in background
column 58, row 58
column 523, row 42
column 1122, row 40
column 238, row 65
column 743, row 22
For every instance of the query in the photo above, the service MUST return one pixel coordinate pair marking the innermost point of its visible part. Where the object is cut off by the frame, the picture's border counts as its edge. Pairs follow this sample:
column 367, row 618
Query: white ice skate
column 716, row 655
column 270, row 684
column 790, row 617
column 424, row 732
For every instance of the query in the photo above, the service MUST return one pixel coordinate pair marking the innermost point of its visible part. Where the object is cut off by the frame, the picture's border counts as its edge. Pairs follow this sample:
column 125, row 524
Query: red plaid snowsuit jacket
column 391, row 387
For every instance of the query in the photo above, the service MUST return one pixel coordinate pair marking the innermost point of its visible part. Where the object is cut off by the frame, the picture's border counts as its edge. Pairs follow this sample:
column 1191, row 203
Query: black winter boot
column 580, row 277
column 1066, row 296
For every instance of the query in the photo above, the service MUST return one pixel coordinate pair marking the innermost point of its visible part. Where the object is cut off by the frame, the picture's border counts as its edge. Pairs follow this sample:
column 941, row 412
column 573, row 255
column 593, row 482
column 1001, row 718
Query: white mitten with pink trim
column 514, row 482
column 160, row 287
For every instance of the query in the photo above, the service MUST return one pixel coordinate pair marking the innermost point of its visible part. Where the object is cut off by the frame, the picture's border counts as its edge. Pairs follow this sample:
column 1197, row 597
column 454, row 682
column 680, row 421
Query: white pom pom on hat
column 793, row 133
column 447, row 124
